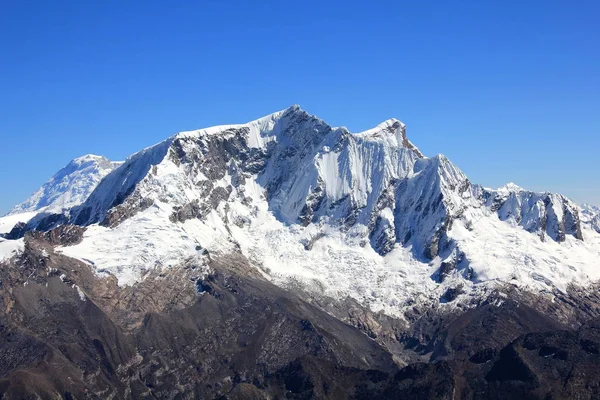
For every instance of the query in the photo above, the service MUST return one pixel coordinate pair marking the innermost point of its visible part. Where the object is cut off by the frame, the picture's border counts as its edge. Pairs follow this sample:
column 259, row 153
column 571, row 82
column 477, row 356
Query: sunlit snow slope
column 68, row 187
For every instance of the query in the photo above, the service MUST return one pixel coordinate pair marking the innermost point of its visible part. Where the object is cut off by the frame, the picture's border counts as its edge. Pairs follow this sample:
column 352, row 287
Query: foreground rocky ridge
column 215, row 328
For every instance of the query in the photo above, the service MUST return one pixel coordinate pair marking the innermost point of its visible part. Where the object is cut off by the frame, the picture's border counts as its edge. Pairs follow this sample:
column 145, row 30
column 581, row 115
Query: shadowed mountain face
column 285, row 258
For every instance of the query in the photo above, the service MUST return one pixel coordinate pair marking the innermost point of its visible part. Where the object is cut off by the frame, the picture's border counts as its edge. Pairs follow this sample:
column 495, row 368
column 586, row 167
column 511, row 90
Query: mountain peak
column 70, row 186
column 391, row 122
column 88, row 157
column 204, row 225
column 391, row 128
column 293, row 108
column 264, row 123
column 511, row 187
column 88, row 160
column 391, row 125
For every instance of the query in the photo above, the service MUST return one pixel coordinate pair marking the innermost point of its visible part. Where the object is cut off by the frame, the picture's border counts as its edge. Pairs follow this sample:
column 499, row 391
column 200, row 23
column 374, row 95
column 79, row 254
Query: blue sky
column 508, row 91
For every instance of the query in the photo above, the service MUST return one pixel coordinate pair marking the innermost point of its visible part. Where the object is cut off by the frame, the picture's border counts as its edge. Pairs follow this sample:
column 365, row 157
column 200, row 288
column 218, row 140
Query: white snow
column 590, row 217
column 140, row 243
column 498, row 251
column 79, row 292
column 261, row 131
column 511, row 187
column 10, row 248
column 68, row 187
column 9, row 221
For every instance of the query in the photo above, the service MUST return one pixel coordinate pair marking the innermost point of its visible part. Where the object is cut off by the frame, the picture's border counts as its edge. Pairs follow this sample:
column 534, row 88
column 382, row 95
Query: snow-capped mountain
column 590, row 215
column 68, row 187
column 364, row 215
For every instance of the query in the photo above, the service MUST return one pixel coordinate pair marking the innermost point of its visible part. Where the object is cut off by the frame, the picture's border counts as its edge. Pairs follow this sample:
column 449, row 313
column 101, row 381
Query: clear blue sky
column 509, row 91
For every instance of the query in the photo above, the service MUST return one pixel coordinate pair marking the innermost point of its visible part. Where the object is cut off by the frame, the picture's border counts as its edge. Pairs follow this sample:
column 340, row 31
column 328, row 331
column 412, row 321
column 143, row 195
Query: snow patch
column 10, row 248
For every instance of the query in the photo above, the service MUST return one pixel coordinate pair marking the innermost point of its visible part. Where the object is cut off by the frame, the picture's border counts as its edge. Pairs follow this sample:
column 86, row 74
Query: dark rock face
column 382, row 231
column 313, row 202
column 558, row 364
column 571, row 221
column 50, row 221
column 451, row 294
column 63, row 235
column 188, row 211
column 383, row 237
column 128, row 208
column 41, row 222
column 17, row 232
column 406, row 143
column 422, row 381
column 595, row 223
